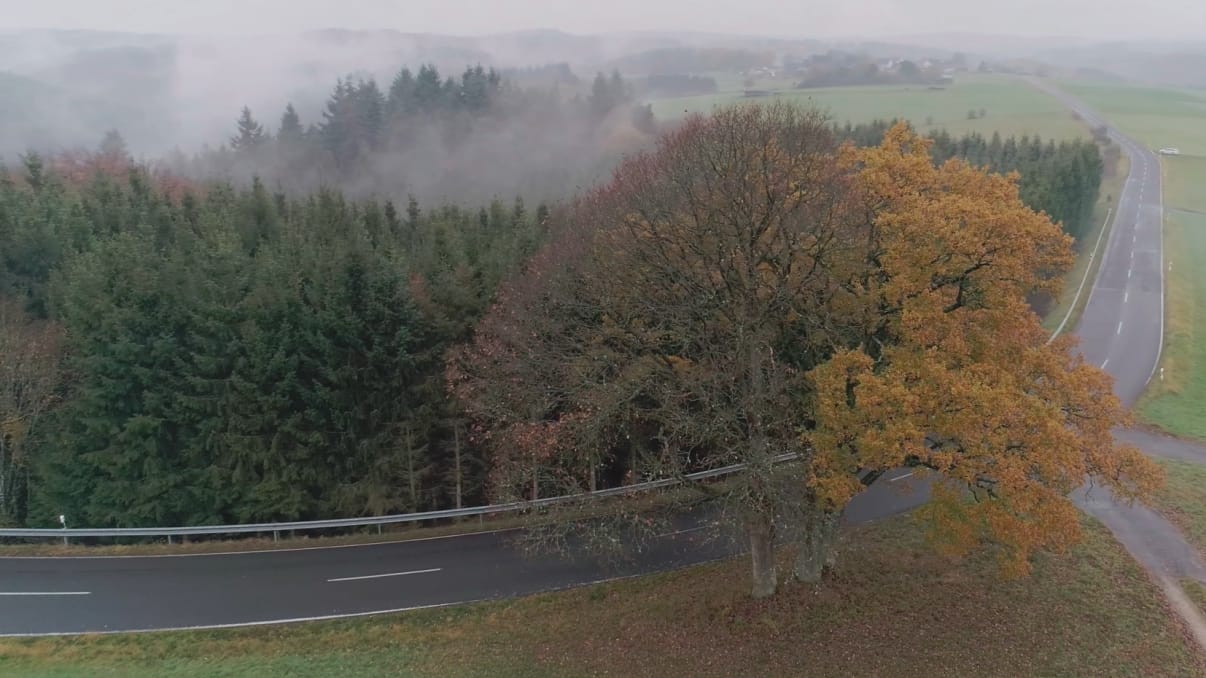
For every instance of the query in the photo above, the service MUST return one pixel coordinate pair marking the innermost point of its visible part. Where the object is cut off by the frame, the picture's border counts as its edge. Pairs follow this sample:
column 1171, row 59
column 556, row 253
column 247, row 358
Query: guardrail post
column 378, row 529
column 276, row 536
column 169, row 539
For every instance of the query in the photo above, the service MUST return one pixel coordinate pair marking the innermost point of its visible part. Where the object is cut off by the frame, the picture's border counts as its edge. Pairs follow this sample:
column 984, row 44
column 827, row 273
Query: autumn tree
column 753, row 289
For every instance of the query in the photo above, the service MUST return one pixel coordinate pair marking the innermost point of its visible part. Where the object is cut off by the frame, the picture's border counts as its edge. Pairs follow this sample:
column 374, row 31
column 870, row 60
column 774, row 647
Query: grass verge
column 1183, row 499
column 895, row 609
column 1174, row 401
column 1196, row 592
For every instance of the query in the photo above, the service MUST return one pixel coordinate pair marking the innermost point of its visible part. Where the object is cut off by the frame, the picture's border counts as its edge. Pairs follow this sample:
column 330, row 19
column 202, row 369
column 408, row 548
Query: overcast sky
column 789, row 18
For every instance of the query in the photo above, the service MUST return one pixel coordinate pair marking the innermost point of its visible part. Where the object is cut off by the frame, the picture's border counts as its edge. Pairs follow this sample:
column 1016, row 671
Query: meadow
column 1011, row 106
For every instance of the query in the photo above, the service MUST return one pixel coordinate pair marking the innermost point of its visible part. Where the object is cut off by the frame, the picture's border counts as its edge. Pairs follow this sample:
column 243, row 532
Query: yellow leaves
column 953, row 371
column 679, row 364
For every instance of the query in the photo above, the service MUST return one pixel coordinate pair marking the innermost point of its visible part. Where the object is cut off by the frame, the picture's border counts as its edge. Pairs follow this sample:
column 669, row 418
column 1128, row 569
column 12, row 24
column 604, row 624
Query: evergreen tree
column 290, row 131
column 250, row 134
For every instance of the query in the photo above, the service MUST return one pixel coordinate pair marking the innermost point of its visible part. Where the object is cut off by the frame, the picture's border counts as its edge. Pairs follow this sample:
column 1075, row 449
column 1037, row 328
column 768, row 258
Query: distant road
column 1122, row 327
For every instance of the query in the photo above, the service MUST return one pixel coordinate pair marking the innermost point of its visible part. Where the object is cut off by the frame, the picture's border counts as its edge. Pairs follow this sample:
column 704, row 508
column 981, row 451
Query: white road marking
column 1119, row 327
column 45, row 593
column 1107, row 362
column 1129, row 272
column 690, row 529
column 1125, row 296
column 892, row 480
column 389, row 574
column 325, row 617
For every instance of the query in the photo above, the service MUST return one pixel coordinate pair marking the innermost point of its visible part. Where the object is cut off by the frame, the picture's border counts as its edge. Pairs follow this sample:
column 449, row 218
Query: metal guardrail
column 276, row 528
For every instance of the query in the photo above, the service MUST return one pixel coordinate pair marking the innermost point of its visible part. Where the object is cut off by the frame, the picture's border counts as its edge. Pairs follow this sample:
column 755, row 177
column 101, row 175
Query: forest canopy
column 267, row 348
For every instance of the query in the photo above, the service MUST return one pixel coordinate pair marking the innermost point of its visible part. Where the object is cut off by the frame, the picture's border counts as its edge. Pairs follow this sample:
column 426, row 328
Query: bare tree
column 30, row 352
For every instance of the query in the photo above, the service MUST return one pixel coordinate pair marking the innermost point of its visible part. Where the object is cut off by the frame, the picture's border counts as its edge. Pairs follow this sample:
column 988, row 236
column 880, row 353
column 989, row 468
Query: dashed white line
column 892, row 480
column 1125, row 296
column 45, row 593
column 389, row 574
column 689, row 529
column 1107, row 362
column 1119, row 327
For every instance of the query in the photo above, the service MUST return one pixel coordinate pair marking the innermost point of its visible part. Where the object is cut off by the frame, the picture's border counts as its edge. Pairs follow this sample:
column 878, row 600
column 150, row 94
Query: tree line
column 235, row 354
column 1061, row 179
column 214, row 352
column 440, row 138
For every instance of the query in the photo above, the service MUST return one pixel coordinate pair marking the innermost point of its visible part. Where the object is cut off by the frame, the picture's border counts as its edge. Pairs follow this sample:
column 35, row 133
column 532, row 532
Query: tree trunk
column 816, row 547
column 762, row 554
column 410, row 471
column 3, row 474
column 456, row 450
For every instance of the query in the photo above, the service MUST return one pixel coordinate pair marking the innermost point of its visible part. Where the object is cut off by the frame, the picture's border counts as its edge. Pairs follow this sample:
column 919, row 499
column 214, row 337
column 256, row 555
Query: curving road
column 1120, row 330
column 62, row 595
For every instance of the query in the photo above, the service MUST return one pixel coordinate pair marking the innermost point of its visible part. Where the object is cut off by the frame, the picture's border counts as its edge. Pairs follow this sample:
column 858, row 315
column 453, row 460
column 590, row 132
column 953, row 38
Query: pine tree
column 290, row 131
column 250, row 133
column 113, row 146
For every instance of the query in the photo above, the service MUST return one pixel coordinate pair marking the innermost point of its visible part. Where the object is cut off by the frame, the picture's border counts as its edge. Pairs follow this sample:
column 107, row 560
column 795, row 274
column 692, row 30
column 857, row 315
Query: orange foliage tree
column 751, row 288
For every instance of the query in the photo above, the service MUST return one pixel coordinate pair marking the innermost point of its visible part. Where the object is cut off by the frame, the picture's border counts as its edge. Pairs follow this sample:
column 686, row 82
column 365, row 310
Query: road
column 1120, row 330
column 60, row 595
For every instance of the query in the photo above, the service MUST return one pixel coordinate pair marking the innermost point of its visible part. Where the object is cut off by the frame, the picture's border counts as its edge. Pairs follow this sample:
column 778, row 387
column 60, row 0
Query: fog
column 172, row 75
column 1104, row 19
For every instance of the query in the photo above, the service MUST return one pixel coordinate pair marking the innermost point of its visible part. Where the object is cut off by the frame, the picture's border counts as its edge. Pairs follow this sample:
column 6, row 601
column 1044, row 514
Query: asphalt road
column 60, row 595
column 1120, row 330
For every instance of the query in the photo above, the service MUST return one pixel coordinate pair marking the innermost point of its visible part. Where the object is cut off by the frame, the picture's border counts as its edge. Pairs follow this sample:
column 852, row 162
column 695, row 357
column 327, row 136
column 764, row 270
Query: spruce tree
column 250, row 134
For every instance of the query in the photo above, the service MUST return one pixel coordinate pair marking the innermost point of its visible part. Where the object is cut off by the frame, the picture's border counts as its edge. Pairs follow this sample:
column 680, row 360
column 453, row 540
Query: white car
column 1170, row 151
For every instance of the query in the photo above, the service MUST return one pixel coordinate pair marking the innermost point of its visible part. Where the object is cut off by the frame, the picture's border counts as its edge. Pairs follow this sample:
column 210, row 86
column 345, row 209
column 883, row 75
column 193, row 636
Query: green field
column 1012, row 106
column 1160, row 118
column 894, row 609
column 1157, row 117
column 1183, row 499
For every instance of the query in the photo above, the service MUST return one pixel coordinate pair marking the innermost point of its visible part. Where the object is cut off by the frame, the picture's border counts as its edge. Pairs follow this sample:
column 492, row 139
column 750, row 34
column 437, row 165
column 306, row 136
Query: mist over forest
column 176, row 97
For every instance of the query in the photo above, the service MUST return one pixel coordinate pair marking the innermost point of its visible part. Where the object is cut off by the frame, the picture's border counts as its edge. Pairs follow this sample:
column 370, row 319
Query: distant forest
column 465, row 139
column 271, row 346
